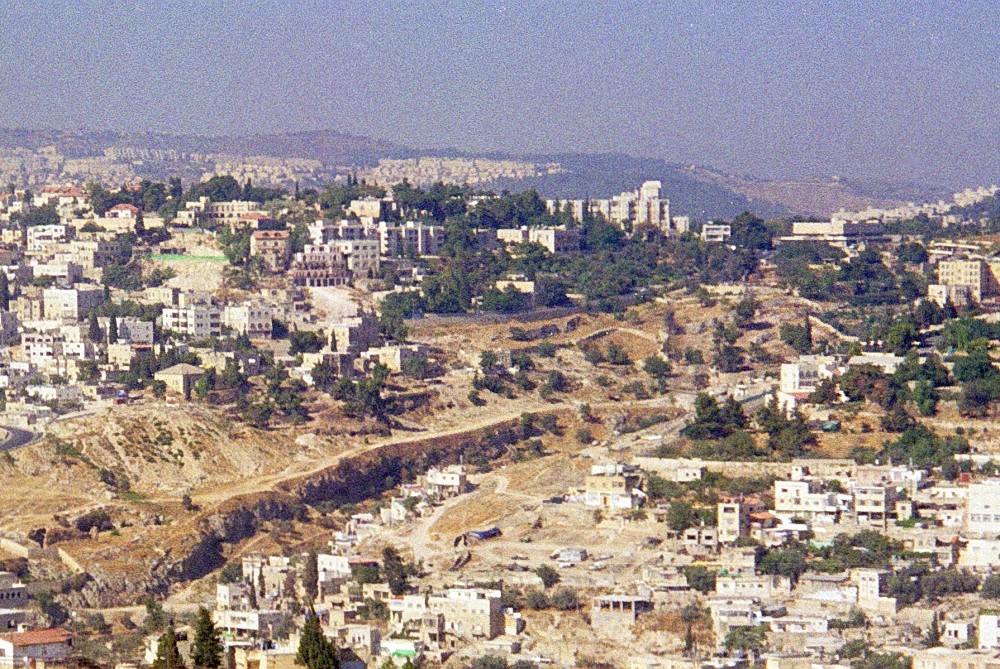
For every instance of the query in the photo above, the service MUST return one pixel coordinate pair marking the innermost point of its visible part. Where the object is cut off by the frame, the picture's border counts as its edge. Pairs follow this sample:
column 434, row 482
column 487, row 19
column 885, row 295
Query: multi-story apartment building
column 272, row 247
column 72, row 304
column 196, row 320
column 249, row 319
column 362, row 255
column 643, row 206
column 40, row 237
column 808, row 500
column 732, row 520
column 557, row 241
column 319, row 266
column 410, row 239
column 204, row 211
column 983, row 508
column 978, row 276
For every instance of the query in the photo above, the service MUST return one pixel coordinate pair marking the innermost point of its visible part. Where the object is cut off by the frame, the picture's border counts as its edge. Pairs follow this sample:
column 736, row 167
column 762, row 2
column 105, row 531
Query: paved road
column 16, row 438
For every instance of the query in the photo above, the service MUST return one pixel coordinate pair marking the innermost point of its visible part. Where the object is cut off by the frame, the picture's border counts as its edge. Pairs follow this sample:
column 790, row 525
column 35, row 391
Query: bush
column 548, row 575
column 991, row 587
column 565, row 599
column 536, row 599
column 584, row 436
column 617, row 355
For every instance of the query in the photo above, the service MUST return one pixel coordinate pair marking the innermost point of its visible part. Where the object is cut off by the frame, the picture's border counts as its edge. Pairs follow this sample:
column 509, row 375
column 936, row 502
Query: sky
column 901, row 91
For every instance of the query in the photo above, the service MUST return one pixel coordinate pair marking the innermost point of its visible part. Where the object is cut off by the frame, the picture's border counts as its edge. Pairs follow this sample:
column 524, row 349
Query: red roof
column 255, row 216
column 121, row 208
column 65, row 191
column 38, row 637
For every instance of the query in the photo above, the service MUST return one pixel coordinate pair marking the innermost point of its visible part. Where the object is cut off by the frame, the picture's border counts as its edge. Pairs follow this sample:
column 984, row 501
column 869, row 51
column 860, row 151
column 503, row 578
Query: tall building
column 629, row 210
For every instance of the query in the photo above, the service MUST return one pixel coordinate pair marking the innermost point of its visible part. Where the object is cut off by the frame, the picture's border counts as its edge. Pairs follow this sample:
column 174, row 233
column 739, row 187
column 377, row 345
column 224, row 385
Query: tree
column 700, row 579
column 659, row 369
column 167, row 654
column 395, row 571
column 991, row 587
column 156, row 618
column 798, row 337
column 159, row 389
column 745, row 311
column 311, row 578
column 976, row 399
column 207, row 649
column 4, row 291
column 315, row 650
column 787, row 562
column 680, row 516
column 112, row 330
column 745, row 639
column 94, row 332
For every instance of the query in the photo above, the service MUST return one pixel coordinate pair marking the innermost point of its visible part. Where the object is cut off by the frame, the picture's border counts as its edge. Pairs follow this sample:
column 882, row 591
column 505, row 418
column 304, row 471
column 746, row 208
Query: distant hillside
column 602, row 176
column 700, row 192
column 327, row 146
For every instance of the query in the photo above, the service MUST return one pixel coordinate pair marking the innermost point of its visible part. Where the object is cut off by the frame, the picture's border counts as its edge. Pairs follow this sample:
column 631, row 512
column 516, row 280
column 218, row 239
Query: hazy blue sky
column 902, row 90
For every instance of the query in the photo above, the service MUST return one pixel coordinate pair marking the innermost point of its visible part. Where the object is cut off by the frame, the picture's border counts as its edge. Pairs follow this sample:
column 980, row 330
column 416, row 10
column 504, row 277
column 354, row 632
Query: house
column 809, row 500
column 248, row 624
column 613, row 487
column 800, row 379
column 712, row 232
column 614, row 615
column 180, row 378
column 447, row 481
column 469, row 612
column 952, row 658
column 989, row 631
column 13, row 593
column 20, row 649
column 397, row 357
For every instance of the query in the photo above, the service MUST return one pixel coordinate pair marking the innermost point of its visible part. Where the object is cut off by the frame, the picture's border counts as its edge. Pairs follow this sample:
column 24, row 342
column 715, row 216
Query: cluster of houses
column 61, row 351
column 949, row 524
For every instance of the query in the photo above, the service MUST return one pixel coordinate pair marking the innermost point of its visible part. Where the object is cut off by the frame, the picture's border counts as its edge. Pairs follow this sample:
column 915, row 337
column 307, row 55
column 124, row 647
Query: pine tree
column 315, row 650
column 112, row 330
column 167, row 655
column 310, row 580
column 207, row 649
column 94, row 333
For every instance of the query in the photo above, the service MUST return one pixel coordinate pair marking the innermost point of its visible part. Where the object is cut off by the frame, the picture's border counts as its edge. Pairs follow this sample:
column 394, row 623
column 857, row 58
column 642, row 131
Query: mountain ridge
column 699, row 191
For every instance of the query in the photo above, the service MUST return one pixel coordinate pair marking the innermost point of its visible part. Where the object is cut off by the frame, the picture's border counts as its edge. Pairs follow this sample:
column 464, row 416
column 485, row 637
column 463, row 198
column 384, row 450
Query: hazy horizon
column 860, row 90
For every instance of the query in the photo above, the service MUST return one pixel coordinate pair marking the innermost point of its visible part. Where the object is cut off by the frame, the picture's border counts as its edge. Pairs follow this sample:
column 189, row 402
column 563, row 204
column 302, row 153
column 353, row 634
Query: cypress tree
column 315, row 650
column 113, row 330
column 4, row 291
column 311, row 577
column 94, row 333
column 167, row 655
column 207, row 649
